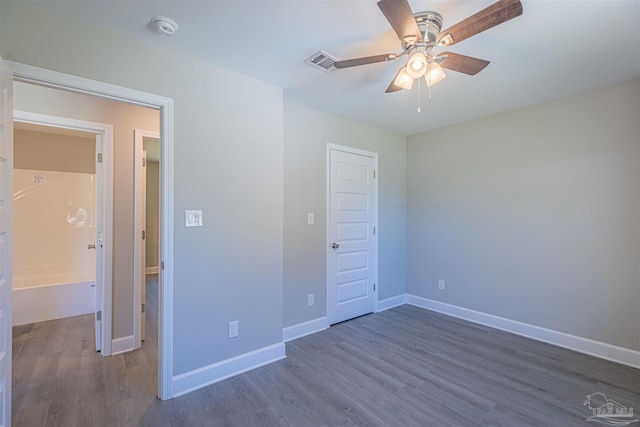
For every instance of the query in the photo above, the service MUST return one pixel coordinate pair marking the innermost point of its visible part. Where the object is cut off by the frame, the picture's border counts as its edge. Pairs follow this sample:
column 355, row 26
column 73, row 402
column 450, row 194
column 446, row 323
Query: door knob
column 335, row 245
column 91, row 246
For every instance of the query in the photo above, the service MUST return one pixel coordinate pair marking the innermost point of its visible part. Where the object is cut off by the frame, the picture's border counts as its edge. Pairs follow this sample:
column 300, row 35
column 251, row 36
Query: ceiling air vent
column 322, row 61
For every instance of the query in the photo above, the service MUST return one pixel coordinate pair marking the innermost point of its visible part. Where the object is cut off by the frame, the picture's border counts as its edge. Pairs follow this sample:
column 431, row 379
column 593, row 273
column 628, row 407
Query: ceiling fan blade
column 488, row 17
column 393, row 87
column 400, row 16
column 365, row 60
column 463, row 64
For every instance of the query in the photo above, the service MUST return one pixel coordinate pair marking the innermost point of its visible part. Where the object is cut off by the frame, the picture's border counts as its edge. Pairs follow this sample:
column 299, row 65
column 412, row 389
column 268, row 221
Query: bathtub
column 42, row 298
column 53, row 267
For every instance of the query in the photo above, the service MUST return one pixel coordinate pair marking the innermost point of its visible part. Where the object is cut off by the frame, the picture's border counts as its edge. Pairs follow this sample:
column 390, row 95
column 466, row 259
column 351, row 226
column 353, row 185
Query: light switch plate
column 193, row 218
column 311, row 219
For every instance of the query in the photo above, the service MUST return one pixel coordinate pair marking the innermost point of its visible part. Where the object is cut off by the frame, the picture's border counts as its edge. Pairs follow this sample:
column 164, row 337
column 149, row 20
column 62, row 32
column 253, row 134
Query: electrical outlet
column 233, row 328
column 441, row 285
column 310, row 300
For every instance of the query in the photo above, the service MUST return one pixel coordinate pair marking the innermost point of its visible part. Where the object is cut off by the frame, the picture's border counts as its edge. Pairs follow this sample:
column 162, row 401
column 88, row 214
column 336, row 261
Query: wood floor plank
column 402, row 367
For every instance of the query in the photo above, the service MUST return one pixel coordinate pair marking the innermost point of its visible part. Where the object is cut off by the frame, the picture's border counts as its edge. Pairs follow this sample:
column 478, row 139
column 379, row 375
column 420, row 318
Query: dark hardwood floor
column 404, row 366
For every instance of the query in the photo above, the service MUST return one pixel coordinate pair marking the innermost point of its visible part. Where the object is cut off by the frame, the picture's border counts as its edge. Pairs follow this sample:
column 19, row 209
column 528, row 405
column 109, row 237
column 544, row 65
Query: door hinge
column 99, row 158
column 374, row 230
column 143, row 308
column 99, row 316
column 374, row 287
column 374, row 174
column 162, row 265
column 144, row 234
column 144, row 162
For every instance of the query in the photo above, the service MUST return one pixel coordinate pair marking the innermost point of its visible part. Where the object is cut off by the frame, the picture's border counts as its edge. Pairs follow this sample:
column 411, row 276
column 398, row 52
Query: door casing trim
column 54, row 79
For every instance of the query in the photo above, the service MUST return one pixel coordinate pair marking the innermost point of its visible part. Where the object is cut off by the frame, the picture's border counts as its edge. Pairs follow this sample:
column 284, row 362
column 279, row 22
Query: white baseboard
column 151, row 270
column 388, row 303
column 300, row 330
column 42, row 303
column 307, row 328
column 599, row 349
column 207, row 375
column 122, row 345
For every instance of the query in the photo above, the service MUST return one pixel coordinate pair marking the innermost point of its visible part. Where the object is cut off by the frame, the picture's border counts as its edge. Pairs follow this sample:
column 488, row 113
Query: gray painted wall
column 306, row 134
column 534, row 214
column 228, row 162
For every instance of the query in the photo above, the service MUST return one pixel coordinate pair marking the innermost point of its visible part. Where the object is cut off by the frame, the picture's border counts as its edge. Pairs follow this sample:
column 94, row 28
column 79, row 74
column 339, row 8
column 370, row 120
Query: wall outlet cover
column 234, row 328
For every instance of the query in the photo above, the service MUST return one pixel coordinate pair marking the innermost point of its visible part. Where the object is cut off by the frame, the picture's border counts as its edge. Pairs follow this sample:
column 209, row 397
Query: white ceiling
column 554, row 49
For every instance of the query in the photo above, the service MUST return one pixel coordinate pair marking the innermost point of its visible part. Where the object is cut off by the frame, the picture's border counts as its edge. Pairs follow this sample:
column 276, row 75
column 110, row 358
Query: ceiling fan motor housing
column 430, row 24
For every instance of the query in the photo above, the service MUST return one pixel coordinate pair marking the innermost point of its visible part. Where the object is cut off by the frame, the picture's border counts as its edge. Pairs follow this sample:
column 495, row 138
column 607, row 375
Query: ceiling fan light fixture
column 403, row 79
column 417, row 65
column 434, row 74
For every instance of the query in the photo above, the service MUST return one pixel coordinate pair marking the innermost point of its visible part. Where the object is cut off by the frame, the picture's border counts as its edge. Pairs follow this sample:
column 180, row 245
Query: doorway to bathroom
column 61, row 220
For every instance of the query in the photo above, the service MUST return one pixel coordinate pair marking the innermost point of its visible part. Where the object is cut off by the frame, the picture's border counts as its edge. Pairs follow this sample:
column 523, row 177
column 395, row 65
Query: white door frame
column 43, row 77
column 328, row 241
column 105, row 216
column 138, row 211
column 6, row 241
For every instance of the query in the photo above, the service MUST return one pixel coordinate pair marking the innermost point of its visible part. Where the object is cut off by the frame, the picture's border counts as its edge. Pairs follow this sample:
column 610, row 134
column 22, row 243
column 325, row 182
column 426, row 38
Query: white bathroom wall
column 54, row 222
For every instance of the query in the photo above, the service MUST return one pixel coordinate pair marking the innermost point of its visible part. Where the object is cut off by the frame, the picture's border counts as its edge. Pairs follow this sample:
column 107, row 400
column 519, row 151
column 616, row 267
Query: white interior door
column 352, row 255
column 6, row 236
column 143, row 287
column 140, row 232
column 99, row 244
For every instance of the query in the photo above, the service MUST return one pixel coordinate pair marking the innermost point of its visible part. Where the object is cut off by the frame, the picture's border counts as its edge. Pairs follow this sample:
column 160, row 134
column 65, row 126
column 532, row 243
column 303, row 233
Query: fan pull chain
column 429, row 92
column 419, row 93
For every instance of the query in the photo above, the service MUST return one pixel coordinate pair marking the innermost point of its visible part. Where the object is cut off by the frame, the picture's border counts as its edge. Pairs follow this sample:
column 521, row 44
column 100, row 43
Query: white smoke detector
column 164, row 25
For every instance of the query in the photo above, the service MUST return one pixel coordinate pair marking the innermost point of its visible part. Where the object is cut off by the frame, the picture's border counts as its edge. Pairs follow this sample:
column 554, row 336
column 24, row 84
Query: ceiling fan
column 421, row 32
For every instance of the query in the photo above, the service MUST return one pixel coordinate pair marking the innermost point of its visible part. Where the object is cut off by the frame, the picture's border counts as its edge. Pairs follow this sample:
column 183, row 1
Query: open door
column 140, row 231
column 143, row 287
column 99, row 244
column 6, row 239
